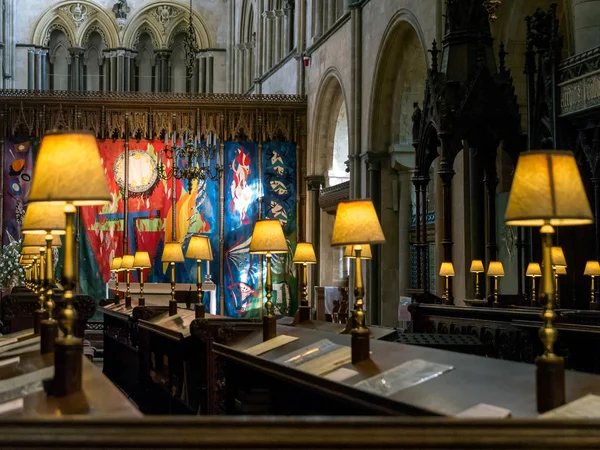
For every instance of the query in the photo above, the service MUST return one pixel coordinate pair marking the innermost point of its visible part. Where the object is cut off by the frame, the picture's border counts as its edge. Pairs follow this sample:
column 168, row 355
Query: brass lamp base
column 172, row 307
column 360, row 345
column 48, row 334
column 128, row 302
column 269, row 327
column 304, row 313
column 38, row 316
column 68, row 354
column 199, row 311
column 550, row 382
column 141, row 301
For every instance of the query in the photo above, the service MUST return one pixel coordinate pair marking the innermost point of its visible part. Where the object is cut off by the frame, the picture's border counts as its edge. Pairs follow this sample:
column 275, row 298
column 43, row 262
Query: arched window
column 93, row 61
column 337, row 172
column 178, row 79
column 60, row 60
column 145, row 62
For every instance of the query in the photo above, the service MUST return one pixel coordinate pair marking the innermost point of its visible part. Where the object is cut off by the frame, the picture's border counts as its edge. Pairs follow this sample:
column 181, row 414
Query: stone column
column 300, row 47
column 2, row 44
column 404, row 217
column 259, row 53
column 373, row 270
column 491, row 183
column 288, row 29
column 586, row 24
column 330, row 13
column 210, row 67
column 263, row 46
column 317, row 16
column 314, row 184
column 106, row 72
column 269, row 40
column 38, row 69
column 202, row 74
column 278, row 36
column 355, row 121
column 76, row 68
column 44, row 68
column 31, row 69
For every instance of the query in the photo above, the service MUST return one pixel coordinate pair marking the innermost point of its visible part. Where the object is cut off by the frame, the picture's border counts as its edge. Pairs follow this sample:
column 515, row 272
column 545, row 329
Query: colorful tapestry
column 19, row 156
column 149, row 217
column 242, row 276
column 279, row 202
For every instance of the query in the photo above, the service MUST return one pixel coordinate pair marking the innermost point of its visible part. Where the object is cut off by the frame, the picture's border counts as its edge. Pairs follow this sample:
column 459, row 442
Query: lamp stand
column 592, row 296
column 172, row 302
column 550, row 373
column 304, row 310
column 48, row 326
column 495, row 304
column 269, row 323
column 118, row 295
column 200, row 304
column 556, row 290
column 141, row 300
column 533, row 297
column 360, row 334
column 447, row 296
column 127, row 290
column 40, row 314
column 477, row 293
column 68, row 349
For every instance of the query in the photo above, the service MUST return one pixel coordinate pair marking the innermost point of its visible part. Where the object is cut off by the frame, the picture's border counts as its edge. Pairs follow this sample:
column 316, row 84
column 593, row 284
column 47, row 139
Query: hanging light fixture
column 190, row 46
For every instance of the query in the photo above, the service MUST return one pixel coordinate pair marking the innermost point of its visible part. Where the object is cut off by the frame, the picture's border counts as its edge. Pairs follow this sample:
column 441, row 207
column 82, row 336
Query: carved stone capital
column 315, row 182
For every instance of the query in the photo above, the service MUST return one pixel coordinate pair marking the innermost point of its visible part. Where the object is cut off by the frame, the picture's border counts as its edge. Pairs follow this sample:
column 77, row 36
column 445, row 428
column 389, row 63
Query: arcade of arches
column 363, row 68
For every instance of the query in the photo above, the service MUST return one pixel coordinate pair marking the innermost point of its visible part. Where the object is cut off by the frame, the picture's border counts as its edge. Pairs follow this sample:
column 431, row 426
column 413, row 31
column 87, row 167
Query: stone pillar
column 278, row 36
column 314, row 184
column 355, row 109
column 269, row 40
column 491, row 183
column 300, row 47
column 202, row 74
column 288, row 29
column 106, row 72
column 263, row 46
column 374, row 269
column 586, row 24
column 163, row 71
column 258, row 57
column 2, row 43
column 330, row 13
column 210, row 67
column 31, row 69
column 76, row 68
column 317, row 16
column 404, row 217
column 38, row 69
column 44, row 69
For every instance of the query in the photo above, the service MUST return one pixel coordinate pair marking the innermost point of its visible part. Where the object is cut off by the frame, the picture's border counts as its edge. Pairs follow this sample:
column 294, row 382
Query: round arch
column 398, row 82
column 57, row 14
column 330, row 98
column 148, row 17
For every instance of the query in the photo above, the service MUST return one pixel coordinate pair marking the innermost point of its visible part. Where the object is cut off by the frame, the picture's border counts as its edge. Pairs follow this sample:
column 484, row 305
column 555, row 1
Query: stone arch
column 149, row 29
column 109, row 34
column 74, row 29
column 330, row 97
column 60, row 25
column 164, row 19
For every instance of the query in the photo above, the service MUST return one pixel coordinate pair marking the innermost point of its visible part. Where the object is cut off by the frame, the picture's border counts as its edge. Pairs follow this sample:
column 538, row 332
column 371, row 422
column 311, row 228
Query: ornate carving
column 56, row 26
column 120, row 9
column 78, row 13
column 94, row 29
column 165, row 14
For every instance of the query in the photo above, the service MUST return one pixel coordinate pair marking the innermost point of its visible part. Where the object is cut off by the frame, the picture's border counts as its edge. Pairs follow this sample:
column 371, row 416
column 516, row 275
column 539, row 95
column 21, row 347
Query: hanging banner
column 242, row 274
column 279, row 202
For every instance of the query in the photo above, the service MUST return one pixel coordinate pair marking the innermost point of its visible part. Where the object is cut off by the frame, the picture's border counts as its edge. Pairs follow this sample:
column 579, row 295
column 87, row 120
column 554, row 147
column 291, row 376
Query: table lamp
column 268, row 239
column 495, row 269
column 199, row 249
column 356, row 223
column 141, row 261
column 127, row 266
column 69, row 172
column 350, row 253
column 38, row 242
column 447, row 271
column 592, row 269
column 547, row 191
column 558, row 260
column 48, row 220
column 115, row 267
column 172, row 253
column 477, row 268
column 533, row 270
column 303, row 256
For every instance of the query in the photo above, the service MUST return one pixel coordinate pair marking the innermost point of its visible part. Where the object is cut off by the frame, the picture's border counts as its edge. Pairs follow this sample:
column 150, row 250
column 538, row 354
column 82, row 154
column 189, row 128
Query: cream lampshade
column 199, row 249
column 356, row 223
column 447, row 270
column 268, row 238
column 127, row 262
column 304, row 255
column 69, row 172
column 533, row 270
column 350, row 251
column 592, row 269
column 172, row 253
column 561, row 270
column 42, row 218
column 495, row 269
column 39, row 240
column 477, row 268
column 547, row 191
column 558, row 257
column 141, row 261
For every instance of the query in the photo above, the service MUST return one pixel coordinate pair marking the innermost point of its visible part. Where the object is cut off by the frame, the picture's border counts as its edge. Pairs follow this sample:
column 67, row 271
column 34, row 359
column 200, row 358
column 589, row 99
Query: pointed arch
column 109, row 34
column 58, row 23
column 146, row 28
